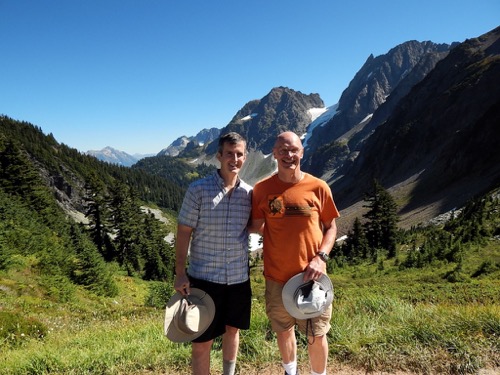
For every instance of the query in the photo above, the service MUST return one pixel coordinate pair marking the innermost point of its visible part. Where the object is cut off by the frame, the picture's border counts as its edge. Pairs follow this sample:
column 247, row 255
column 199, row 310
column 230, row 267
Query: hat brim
column 289, row 290
column 198, row 297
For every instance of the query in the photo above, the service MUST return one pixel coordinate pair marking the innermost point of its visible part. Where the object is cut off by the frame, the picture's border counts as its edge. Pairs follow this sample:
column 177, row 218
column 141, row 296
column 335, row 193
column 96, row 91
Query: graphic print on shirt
column 278, row 207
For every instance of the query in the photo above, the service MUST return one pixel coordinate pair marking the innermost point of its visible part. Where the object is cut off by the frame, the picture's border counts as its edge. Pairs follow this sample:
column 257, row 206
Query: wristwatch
column 324, row 256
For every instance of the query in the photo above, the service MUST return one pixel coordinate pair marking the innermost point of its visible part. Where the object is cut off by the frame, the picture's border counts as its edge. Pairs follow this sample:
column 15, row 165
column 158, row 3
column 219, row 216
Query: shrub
column 159, row 294
column 486, row 268
column 58, row 288
column 16, row 329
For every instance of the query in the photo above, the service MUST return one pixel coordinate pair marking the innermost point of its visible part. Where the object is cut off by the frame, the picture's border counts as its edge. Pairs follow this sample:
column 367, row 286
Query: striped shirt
column 219, row 242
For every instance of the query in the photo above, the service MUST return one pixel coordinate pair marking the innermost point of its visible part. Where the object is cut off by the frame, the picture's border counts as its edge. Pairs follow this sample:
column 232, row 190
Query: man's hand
column 181, row 284
column 315, row 269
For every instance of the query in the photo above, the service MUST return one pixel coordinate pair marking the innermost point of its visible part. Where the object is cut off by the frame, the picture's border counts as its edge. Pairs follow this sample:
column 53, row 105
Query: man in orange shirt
column 296, row 214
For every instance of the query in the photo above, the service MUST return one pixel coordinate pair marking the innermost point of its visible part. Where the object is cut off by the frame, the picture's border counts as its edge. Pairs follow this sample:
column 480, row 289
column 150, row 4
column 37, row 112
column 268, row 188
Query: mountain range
column 93, row 242
column 422, row 120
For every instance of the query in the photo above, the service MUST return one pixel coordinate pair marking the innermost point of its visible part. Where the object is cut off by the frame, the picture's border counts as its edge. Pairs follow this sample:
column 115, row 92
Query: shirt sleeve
column 190, row 209
column 329, row 211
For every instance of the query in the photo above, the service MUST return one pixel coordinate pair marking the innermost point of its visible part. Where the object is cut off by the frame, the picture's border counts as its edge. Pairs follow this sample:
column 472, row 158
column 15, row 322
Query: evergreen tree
column 381, row 227
column 157, row 253
column 98, row 215
column 356, row 247
column 125, row 216
column 469, row 225
column 20, row 178
column 89, row 268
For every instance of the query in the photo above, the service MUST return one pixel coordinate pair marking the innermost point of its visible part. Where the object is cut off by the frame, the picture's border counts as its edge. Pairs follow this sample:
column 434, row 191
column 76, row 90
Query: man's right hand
column 181, row 284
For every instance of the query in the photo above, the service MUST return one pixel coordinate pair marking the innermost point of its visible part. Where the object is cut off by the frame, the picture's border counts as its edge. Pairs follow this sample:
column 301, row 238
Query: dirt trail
column 343, row 370
column 332, row 370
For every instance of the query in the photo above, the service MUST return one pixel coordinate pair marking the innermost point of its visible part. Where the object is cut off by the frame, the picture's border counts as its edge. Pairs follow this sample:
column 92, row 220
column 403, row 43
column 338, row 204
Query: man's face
column 232, row 158
column 288, row 154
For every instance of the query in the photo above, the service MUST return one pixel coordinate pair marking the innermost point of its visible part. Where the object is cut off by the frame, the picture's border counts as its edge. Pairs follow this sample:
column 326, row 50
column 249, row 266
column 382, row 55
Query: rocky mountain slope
column 429, row 137
column 421, row 119
column 439, row 146
column 260, row 121
column 381, row 82
column 203, row 137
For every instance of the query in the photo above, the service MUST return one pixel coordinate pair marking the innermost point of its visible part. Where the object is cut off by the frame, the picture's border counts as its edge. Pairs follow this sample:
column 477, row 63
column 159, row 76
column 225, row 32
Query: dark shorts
column 232, row 306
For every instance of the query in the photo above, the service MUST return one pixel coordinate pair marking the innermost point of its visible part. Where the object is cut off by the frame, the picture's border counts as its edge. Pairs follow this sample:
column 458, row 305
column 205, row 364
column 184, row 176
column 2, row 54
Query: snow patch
column 341, row 238
column 316, row 112
column 249, row 117
column 321, row 119
column 367, row 118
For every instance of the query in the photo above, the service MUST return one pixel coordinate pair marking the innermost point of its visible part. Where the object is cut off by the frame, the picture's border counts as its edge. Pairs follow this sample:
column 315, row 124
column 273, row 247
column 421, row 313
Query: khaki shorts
column 282, row 321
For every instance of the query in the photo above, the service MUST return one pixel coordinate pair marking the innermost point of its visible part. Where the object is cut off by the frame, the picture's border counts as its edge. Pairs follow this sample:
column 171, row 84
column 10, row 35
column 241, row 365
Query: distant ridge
column 113, row 156
column 203, row 137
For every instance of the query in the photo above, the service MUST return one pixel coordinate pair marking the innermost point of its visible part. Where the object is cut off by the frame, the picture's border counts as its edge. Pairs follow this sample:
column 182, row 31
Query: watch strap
column 323, row 256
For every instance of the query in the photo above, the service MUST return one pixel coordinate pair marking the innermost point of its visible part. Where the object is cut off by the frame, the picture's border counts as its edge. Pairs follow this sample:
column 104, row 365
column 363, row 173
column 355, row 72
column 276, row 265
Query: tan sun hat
column 305, row 300
column 187, row 317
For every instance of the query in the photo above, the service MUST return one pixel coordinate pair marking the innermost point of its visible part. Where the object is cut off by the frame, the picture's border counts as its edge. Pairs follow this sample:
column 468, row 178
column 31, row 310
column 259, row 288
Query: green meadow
column 384, row 319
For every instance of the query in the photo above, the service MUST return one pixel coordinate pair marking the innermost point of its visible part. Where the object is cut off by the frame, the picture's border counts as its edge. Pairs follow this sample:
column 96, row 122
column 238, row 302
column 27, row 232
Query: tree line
column 74, row 167
column 34, row 227
column 376, row 237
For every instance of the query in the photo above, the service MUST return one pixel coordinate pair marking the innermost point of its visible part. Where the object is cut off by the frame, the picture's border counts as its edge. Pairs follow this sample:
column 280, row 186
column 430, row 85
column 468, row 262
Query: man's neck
column 291, row 177
column 230, row 179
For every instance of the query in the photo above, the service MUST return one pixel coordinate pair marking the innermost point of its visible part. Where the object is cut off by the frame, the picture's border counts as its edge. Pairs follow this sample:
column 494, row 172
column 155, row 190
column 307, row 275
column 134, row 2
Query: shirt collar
column 220, row 180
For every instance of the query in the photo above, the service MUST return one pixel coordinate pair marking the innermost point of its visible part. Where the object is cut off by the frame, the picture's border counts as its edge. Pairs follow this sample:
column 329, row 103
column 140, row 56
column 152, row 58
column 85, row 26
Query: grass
column 383, row 320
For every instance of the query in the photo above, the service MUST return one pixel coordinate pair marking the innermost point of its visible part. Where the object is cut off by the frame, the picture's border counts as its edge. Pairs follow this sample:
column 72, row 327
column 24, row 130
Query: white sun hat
column 188, row 317
column 305, row 300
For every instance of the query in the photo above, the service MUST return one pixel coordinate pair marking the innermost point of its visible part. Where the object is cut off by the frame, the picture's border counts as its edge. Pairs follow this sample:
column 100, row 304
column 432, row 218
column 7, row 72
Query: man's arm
column 181, row 283
column 256, row 226
column 329, row 236
column 317, row 266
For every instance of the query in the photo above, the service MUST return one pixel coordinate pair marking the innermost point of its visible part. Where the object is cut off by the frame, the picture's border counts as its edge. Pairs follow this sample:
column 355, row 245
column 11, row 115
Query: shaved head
column 288, row 138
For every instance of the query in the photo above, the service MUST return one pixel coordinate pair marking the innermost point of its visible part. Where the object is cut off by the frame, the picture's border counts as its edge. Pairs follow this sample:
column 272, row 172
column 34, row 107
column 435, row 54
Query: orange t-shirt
column 293, row 229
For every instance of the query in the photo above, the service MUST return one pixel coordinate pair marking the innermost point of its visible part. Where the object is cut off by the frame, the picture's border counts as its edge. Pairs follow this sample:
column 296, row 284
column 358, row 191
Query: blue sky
column 137, row 74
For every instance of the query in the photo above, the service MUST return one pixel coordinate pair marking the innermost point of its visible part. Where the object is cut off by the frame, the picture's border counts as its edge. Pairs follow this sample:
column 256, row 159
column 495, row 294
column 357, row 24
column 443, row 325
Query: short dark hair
column 231, row 138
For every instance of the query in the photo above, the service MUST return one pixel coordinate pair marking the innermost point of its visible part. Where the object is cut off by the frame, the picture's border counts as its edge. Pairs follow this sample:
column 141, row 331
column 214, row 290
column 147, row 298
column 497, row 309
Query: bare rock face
column 203, row 137
column 260, row 121
column 383, row 79
column 445, row 131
